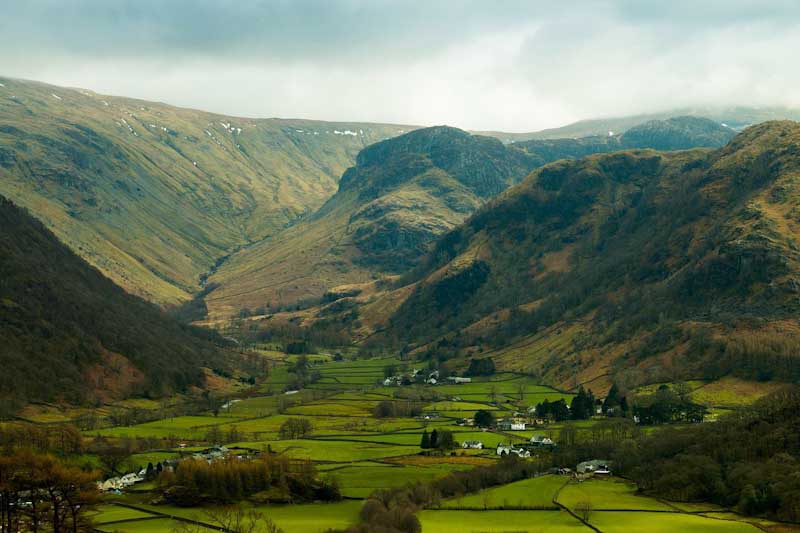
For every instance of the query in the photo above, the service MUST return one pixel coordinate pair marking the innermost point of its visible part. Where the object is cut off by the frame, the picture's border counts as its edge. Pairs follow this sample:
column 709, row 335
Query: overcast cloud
column 503, row 65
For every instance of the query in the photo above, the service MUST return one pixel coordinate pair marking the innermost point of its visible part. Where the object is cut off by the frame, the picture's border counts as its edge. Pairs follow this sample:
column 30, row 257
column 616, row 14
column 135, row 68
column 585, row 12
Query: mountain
column 69, row 333
column 736, row 117
column 402, row 194
column 155, row 196
column 634, row 266
column 676, row 133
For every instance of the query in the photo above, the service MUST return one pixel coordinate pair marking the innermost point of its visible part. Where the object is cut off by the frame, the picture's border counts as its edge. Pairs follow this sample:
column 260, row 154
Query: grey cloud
column 505, row 64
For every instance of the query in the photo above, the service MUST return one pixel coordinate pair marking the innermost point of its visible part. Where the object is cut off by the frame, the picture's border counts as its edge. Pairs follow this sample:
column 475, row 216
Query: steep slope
column 68, row 332
column 633, row 266
column 155, row 195
column 677, row 133
column 401, row 195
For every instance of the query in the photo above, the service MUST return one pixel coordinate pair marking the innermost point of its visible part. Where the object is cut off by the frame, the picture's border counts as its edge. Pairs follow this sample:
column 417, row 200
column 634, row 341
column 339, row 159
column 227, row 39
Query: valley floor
column 364, row 453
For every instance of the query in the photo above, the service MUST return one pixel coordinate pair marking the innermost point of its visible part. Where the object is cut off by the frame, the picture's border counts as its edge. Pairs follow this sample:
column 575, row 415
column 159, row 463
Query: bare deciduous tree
column 584, row 510
column 232, row 519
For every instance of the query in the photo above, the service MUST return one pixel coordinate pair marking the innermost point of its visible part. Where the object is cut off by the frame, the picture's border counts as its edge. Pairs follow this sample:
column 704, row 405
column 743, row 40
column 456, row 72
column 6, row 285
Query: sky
column 503, row 65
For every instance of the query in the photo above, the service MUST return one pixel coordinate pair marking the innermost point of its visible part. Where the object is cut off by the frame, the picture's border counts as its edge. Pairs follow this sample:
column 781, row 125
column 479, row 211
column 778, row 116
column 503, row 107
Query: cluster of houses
column 599, row 467
column 525, row 450
column 508, row 449
column 117, row 484
column 417, row 376
column 542, row 441
column 212, row 454
column 512, row 424
column 120, row 483
column 472, row 445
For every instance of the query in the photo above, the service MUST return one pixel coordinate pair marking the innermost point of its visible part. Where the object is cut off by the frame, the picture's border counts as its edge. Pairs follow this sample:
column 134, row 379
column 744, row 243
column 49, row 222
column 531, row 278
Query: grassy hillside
column 69, row 333
column 400, row 196
column 154, row 196
column 633, row 265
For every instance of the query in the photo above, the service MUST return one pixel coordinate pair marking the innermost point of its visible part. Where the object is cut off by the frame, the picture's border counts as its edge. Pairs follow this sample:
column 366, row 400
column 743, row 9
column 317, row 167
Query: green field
column 535, row 493
column 363, row 409
column 363, row 454
column 622, row 522
column 298, row 518
column 185, row 427
column 150, row 525
column 361, row 479
column 411, row 439
column 114, row 513
column 608, row 494
column 500, row 521
column 332, row 451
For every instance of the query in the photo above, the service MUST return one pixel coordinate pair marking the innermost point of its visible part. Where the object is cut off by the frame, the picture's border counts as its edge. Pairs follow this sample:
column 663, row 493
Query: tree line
column 393, row 510
column 277, row 479
column 39, row 493
column 748, row 460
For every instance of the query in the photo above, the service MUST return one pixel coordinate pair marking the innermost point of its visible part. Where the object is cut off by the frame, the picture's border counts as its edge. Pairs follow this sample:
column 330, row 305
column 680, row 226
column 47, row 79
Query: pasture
column 608, row 494
column 146, row 525
column 364, row 453
column 443, row 521
column 534, row 493
column 297, row 518
column 652, row 522
column 359, row 480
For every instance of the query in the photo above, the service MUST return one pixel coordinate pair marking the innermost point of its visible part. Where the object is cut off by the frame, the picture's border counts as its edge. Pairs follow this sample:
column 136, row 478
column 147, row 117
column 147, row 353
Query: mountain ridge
column 154, row 195
column 629, row 246
column 402, row 194
column 632, row 267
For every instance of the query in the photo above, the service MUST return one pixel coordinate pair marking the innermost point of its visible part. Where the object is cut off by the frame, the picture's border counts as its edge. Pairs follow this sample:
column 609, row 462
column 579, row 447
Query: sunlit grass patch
column 113, row 513
column 733, row 392
column 624, row 522
column 609, row 494
column 442, row 521
column 535, row 493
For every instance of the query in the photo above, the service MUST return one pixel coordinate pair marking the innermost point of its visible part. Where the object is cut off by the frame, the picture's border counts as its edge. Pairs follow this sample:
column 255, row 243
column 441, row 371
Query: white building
column 508, row 449
column 542, row 440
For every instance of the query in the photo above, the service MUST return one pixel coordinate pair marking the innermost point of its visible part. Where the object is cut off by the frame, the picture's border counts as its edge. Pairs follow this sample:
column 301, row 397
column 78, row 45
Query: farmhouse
column 227, row 405
column 508, row 449
column 472, row 444
column 508, row 424
column 542, row 441
column 109, row 485
column 118, row 483
column 212, row 454
column 595, row 466
column 458, row 380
